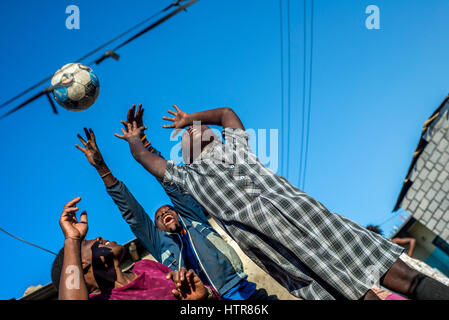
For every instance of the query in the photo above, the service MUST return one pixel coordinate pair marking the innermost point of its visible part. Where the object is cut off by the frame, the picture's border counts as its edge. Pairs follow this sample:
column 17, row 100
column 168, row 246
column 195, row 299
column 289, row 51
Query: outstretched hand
column 90, row 149
column 188, row 285
column 134, row 116
column 133, row 132
column 181, row 119
column 69, row 223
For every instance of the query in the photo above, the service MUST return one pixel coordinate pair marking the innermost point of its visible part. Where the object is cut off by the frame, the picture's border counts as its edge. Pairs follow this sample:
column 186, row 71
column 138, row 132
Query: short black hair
column 56, row 269
column 164, row 205
column 375, row 228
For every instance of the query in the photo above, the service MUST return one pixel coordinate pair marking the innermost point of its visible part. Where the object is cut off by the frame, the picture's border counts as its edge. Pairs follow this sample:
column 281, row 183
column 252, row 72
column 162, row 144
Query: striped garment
column 312, row 252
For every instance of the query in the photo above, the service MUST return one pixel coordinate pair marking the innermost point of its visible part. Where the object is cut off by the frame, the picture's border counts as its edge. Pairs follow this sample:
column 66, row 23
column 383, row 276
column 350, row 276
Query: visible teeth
column 107, row 242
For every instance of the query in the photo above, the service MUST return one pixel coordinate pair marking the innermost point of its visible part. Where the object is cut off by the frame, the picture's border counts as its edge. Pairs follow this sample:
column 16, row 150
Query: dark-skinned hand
column 90, row 149
column 69, row 223
column 188, row 285
column 179, row 121
column 134, row 116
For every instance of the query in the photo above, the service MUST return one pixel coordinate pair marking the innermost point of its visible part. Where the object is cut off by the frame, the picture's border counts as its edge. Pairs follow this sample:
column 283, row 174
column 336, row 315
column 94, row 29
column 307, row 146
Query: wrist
column 102, row 169
column 72, row 241
column 134, row 140
column 190, row 119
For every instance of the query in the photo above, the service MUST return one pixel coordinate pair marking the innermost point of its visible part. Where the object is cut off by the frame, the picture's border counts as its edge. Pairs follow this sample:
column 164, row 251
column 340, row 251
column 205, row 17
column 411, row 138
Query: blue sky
column 372, row 90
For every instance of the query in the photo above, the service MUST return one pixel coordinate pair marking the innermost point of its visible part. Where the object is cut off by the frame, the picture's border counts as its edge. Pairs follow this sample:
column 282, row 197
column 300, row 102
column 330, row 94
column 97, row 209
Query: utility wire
column 282, row 88
column 109, row 53
column 29, row 243
column 303, row 91
column 83, row 57
column 289, row 85
column 306, row 152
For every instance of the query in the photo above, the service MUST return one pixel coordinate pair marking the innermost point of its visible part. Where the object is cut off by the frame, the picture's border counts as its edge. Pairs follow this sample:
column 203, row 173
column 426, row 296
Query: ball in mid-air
column 76, row 87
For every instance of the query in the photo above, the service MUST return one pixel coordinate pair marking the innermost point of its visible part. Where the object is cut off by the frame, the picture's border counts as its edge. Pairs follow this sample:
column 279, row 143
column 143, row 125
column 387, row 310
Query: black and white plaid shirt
column 312, row 252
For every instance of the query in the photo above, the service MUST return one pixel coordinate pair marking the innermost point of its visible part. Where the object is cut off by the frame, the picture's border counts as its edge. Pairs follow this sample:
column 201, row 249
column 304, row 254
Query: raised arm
column 151, row 162
column 225, row 117
column 93, row 155
column 133, row 213
column 72, row 285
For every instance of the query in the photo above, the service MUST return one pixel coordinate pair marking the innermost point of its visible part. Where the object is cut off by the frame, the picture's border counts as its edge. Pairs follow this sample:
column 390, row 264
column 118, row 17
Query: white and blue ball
column 76, row 87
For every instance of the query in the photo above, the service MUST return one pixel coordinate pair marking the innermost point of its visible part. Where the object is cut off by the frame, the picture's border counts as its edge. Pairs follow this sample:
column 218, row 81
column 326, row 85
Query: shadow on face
column 166, row 219
column 99, row 260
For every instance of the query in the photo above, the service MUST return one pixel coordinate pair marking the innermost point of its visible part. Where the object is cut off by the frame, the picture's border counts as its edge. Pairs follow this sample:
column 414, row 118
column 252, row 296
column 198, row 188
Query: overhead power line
column 109, row 53
column 306, row 152
column 304, row 75
column 282, row 87
column 289, row 78
column 29, row 243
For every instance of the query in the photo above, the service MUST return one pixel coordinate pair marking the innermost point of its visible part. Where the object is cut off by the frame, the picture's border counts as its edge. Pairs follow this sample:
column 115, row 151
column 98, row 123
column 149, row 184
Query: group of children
column 313, row 253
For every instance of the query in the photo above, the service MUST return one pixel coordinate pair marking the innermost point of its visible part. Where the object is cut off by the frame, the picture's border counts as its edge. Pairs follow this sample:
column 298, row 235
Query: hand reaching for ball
column 133, row 132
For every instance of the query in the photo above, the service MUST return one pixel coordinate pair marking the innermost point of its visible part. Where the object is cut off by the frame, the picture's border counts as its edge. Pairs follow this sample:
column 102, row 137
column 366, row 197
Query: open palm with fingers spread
column 181, row 119
column 90, row 149
column 132, row 133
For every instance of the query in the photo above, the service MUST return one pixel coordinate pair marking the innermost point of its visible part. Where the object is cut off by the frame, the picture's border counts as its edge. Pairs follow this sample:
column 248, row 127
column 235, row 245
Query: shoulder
column 235, row 133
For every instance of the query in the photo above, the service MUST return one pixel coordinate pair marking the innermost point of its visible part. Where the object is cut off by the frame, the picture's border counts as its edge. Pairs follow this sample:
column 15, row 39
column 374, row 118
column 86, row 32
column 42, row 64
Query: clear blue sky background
column 372, row 91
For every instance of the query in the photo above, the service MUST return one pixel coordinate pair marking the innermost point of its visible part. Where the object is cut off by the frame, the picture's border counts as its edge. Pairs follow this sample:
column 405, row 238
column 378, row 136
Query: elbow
column 228, row 110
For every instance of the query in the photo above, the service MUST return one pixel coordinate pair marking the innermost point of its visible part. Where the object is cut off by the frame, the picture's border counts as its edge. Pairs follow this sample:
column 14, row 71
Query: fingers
column 125, row 124
column 119, row 136
column 69, row 214
column 177, row 294
column 70, row 210
column 143, row 128
column 139, row 111
column 168, row 126
column 82, row 140
column 81, row 149
column 171, row 112
column 131, row 111
column 190, row 279
column 87, row 133
column 92, row 135
column 182, row 274
column 176, row 107
column 72, row 202
column 169, row 119
column 83, row 217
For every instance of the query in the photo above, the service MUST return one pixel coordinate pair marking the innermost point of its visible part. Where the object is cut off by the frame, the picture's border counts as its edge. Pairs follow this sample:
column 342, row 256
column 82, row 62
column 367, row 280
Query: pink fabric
column 395, row 297
column 150, row 284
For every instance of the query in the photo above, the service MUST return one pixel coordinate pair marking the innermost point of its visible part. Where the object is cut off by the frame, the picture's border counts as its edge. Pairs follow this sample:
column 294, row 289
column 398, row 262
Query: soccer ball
column 75, row 87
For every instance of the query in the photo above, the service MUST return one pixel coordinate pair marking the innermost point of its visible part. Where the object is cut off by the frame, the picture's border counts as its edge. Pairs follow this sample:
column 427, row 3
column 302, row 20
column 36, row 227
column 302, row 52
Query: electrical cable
column 306, row 152
column 282, row 88
column 109, row 53
column 29, row 243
